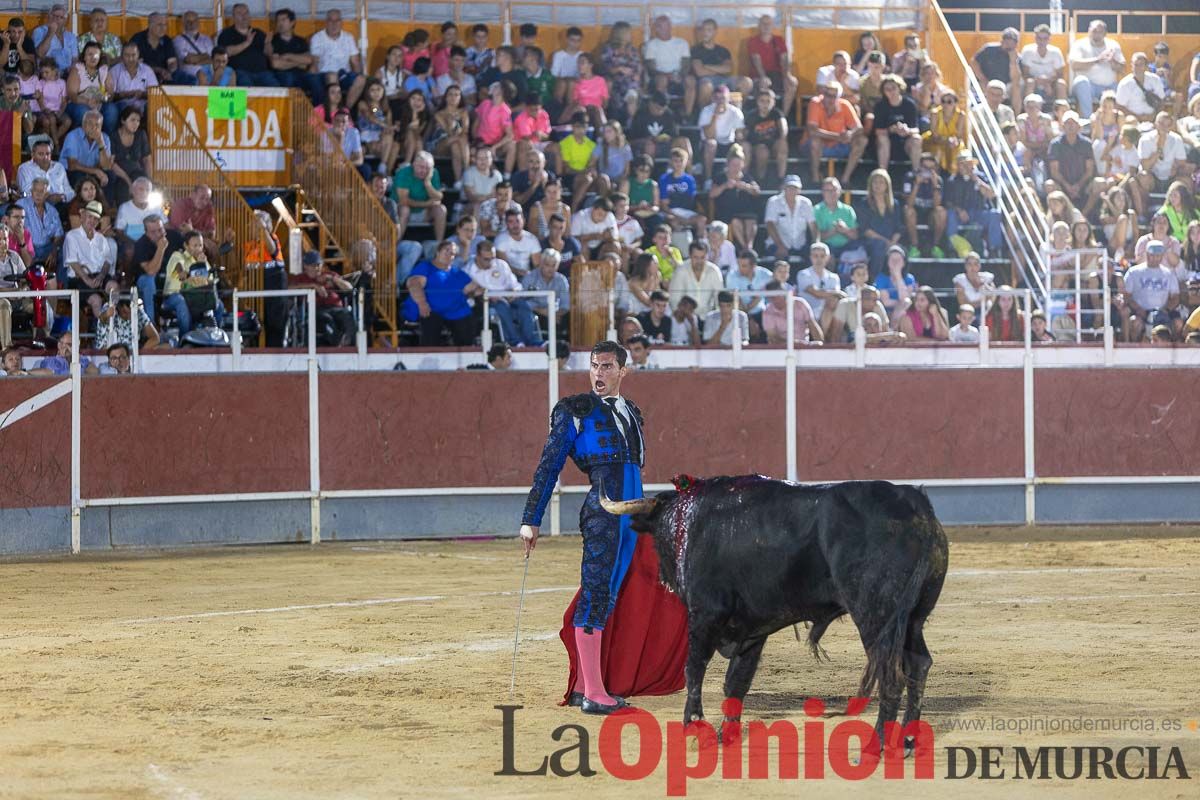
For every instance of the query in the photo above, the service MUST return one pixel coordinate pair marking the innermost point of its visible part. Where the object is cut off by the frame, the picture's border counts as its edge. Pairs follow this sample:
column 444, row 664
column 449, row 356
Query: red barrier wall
column 166, row 435
column 1117, row 422
column 194, row 434
column 35, row 453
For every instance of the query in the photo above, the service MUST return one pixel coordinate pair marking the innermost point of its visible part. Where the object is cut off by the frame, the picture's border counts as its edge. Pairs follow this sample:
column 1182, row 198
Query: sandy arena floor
column 371, row 670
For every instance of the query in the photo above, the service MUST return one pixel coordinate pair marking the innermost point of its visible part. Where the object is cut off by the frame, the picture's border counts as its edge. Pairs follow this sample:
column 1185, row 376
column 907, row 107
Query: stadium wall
column 405, row 455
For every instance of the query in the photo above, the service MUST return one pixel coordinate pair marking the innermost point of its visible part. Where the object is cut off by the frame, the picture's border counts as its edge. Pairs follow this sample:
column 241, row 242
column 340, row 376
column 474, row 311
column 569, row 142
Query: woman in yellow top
column 179, row 276
column 947, row 132
column 1180, row 209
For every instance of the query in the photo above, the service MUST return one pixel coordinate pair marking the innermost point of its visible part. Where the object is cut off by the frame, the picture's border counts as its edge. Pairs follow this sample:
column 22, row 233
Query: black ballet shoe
column 576, row 699
column 592, row 707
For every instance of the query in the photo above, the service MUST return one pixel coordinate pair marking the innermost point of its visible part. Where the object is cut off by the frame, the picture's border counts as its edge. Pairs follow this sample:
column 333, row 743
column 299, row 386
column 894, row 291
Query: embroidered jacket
column 584, row 428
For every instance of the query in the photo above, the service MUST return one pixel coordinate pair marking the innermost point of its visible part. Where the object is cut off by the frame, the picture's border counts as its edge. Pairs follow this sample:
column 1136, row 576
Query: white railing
column 1078, row 276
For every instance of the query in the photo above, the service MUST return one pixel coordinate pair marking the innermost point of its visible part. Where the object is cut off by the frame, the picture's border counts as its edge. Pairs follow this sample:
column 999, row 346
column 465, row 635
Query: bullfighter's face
column 606, row 374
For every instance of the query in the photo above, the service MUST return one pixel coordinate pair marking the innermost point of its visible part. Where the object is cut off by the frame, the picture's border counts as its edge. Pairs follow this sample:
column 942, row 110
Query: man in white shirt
column 90, row 259
column 516, row 245
column 337, row 54
column 790, row 221
column 1042, row 66
column 818, row 285
column 593, row 226
column 668, row 62
column 1141, row 92
column 40, row 165
column 722, row 124
column 1164, row 156
column 1098, row 63
column 516, row 318
column 629, row 230
column 193, row 48
column 700, row 279
column 720, row 324
column 840, row 72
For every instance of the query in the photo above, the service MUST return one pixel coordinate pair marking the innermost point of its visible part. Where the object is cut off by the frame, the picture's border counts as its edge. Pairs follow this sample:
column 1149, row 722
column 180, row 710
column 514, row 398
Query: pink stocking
column 588, row 647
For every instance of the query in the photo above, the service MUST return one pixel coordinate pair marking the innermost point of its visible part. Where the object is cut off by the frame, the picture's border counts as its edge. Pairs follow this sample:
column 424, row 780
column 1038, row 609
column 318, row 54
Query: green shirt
column 405, row 179
column 542, row 85
column 827, row 218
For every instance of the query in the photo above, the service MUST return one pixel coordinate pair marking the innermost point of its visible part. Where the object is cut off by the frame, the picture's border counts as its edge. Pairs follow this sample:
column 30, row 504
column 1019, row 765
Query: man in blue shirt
column 547, row 277
column 86, row 150
column 42, row 220
column 61, row 364
column 437, row 299
column 53, row 40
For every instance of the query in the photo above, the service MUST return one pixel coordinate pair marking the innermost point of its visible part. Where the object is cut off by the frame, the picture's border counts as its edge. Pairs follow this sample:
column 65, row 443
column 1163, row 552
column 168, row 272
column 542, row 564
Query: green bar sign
column 226, row 103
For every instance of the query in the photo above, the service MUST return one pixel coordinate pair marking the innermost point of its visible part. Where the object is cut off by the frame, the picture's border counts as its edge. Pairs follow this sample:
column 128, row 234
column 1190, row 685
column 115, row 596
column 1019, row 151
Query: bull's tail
column 885, row 655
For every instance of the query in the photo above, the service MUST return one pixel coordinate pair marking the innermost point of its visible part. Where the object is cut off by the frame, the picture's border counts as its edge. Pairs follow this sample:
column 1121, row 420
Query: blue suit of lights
column 587, row 430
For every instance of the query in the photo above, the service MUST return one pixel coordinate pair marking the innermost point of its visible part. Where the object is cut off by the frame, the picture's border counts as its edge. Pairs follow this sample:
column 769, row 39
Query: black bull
column 750, row 556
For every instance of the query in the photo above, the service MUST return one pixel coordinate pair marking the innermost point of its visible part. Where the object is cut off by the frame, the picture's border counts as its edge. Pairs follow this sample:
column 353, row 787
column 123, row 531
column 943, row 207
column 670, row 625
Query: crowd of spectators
column 504, row 166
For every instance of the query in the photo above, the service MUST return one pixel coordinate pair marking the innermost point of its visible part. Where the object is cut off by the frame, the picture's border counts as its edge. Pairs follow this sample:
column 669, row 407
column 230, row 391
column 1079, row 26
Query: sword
column 512, row 684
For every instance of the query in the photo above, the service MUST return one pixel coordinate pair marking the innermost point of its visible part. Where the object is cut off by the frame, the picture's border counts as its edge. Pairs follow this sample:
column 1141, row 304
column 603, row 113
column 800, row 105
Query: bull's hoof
column 576, row 699
column 592, row 707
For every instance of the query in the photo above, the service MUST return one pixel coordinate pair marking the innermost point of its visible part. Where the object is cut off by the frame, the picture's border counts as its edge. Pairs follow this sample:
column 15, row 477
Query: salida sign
column 251, row 149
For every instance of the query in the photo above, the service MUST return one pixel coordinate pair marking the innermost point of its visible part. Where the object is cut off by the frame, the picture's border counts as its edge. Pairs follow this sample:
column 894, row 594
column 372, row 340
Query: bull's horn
column 643, row 505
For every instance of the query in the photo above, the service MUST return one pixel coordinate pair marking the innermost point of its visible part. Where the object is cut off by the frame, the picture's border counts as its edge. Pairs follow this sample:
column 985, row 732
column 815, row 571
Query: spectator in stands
column 195, row 212
column 328, row 286
column 699, row 279
column 1141, row 93
column 437, row 301
column 337, row 56
column 479, row 54
column 54, row 40
column 456, row 75
column 790, row 220
column 291, row 58
column 193, row 47
column 639, row 351
column 769, row 63
column 544, row 276
column 349, row 139
column 734, row 198
column 1005, row 321
column 994, row 94
column 574, row 154
column 621, row 61
column 86, row 84
column 505, row 69
column 151, row 252
column 907, row 63
column 968, row 199
column 531, row 127
column 439, row 53
column 879, row 218
column 12, row 270
column 655, row 126
column 767, row 137
column 60, row 364
column 947, row 133
column 721, row 125
column 132, row 214
column 90, row 259
column 896, row 125
column 479, row 181
column 971, row 284
column 677, row 194
column 40, row 165
column 1152, row 295
column 656, row 323
column 834, row 131
column 115, row 326
column 685, row 326
column 820, row 285
column 564, row 65
column 516, row 245
column 645, row 279
column 997, row 61
column 10, row 363
column 1164, row 156
column 721, row 323
column 924, row 322
column 88, row 151
column 158, row 51
column 1194, row 78
column 837, row 224
column 805, row 329
column 249, row 50
column 186, row 269
column 1072, row 165
column 1098, row 63
column 965, row 332
column 14, row 102
column 721, row 251
column 119, row 358
column 610, row 161
column 492, row 210
column 712, row 66
column 419, row 194
column 595, row 226
column 1042, row 66
column 494, row 125
column 550, row 204
column 42, row 220
column 667, row 256
column 130, row 153
column 20, row 240
column 518, row 324
column 747, row 280
column 668, row 64
column 15, row 45
column 839, row 72
column 895, row 284
column 569, row 247
column 931, row 89
column 50, row 95
column 629, row 231
column 128, row 82
column 97, row 31
column 1180, row 210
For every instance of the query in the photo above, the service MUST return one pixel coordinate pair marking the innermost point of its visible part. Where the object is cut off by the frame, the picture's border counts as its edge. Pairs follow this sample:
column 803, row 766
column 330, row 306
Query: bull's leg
column 702, row 643
column 738, row 677
column 889, row 707
column 917, row 662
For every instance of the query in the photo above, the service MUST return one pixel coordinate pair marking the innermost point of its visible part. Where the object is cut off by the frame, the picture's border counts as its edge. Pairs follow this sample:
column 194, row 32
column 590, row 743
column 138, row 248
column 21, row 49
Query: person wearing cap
column 994, row 93
column 1098, row 63
column 90, row 257
column 1141, row 92
column 1073, row 165
column 790, row 220
column 1042, row 66
column 328, row 286
column 997, row 61
column 1151, row 295
column 968, row 199
column 834, row 131
column 922, row 192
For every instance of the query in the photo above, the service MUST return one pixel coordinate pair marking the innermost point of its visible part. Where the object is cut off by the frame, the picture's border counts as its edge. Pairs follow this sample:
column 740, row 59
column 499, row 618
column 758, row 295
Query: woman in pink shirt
column 494, row 125
column 589, row 94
